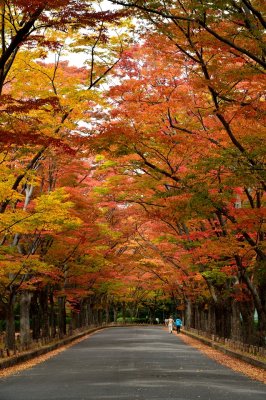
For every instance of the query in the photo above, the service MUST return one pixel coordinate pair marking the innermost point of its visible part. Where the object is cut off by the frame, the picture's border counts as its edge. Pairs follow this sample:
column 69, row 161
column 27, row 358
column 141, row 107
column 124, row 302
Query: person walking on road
column 170, row 324
column 178, row 323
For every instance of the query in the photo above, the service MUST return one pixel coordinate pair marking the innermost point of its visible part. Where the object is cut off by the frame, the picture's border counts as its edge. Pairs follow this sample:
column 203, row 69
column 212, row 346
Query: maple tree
column 40, row 134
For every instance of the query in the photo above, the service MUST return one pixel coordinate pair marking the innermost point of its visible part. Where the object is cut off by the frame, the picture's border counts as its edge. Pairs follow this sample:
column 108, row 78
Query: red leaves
column 11, row 105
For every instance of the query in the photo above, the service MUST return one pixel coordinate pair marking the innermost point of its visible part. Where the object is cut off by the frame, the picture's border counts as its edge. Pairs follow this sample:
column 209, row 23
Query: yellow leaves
column 6, row 191
column 99, row 158
column 106, row 230
column 14, row 221
column 8, row 175
column 52, row 212
column 19, row 267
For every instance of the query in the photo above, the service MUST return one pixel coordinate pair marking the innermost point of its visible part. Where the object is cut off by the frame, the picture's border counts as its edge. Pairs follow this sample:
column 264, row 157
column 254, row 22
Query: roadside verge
column 240, row 356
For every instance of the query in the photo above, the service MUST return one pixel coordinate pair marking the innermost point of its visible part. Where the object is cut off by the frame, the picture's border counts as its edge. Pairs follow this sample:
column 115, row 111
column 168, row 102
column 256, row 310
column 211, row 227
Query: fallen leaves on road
column 256, row 373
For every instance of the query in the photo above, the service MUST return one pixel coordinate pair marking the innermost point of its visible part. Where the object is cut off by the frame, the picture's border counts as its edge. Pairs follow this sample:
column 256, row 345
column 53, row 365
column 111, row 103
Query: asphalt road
column 144, row 363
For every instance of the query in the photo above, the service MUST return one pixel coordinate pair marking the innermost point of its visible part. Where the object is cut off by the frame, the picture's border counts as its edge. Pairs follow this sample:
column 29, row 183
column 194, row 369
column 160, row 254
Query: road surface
column 131, row 363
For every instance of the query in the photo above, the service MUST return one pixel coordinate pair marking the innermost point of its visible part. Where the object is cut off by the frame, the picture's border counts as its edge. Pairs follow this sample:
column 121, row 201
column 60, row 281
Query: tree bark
column 236, row 333
column 44, row 313
column 35, row 316
column 115, row 313
column 61, row 316
column 52, row 318
column 188, row 313
column 107, row 313
column 25, row 335
column 10, row 323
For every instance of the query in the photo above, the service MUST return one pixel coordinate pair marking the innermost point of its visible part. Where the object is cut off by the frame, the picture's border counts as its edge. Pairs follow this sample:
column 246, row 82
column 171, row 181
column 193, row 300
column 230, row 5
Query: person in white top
column 170, row 324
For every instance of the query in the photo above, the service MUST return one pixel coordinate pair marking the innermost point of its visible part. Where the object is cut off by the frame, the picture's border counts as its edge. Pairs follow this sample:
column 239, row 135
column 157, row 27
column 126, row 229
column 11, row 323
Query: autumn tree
column 138, row 177
column 41, row 128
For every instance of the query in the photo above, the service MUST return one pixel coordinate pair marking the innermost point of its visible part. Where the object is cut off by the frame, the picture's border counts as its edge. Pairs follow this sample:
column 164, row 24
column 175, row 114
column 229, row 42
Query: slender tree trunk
column 95, row 315
column 35, row 316
column 86, row 312
column 248, row 326
column 10, row 323
column 25, row 335
column 82, row 313
column 115, row 312
column 52, row 317
column 196, row 308
column 43, row 296
column 124, row 312
column 100, row 316
column 223, row 320
column 235, row 322
column 206, row 326
column 262, row 315
column 188, row 314
column 61, row 316
column 107, row 313
column 90, row 312
column 193, row 316
column 74, row 320
column 258, row 296
column 211, row 318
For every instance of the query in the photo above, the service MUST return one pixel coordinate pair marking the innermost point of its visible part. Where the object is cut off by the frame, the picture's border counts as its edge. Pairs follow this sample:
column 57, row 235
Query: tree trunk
column 197, row 318
column 52, row 318
column 82, row 313
column 74, row 320
column 235, row 322
column 211, row 318
column 10, row 323
column 61, row 316
column 90, row 312
column 86, row 312
column 100, row 316
column 35, row 316
column 115, row 312
column 188, row 311
column 107, row 314
column 124, row 312
column 95, row 316
column 25, row 335
column 248, row 326
column 223, row 320
column 258, row 296
column 262, row 315
column 43, row 296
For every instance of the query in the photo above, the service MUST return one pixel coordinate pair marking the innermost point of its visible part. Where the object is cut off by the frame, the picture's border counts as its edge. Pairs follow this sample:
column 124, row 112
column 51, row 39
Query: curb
column 239, row 356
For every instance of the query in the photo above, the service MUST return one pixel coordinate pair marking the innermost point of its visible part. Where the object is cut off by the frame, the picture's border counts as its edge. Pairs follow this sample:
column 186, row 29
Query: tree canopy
column 134, row 183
